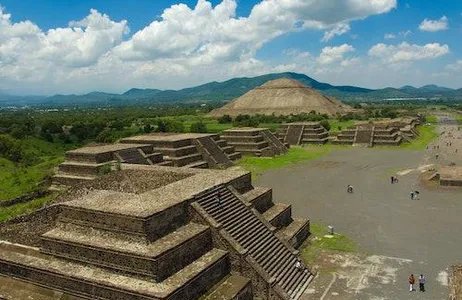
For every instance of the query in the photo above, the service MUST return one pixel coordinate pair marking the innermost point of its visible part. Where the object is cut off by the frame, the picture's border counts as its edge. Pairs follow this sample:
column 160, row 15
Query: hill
column 228, row 90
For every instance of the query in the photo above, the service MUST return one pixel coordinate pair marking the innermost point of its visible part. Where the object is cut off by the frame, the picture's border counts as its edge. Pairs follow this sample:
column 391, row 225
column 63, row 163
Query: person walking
column 422, row 283
column 411, row 283
column 412, row 195
column 392, row 179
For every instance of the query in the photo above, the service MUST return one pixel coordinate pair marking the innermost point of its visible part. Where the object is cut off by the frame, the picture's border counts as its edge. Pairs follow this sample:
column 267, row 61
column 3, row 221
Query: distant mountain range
column 228, row 90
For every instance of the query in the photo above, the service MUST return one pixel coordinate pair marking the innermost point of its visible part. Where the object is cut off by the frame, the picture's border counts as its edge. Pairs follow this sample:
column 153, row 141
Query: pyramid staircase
column 254, row 141
column 253, row 237
column 303, row 133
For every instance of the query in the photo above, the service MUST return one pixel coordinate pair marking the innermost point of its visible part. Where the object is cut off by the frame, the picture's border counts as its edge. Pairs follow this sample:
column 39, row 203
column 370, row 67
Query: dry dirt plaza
column 396, row 236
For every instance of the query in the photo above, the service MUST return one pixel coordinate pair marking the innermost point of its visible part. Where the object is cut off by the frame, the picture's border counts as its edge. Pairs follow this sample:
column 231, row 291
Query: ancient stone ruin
column 303, row 133
column 455, row 282
column 283, row 96
column 254, row 141
column 197, row 233
column 179, row 150
column 380, row 133
column 448, row 176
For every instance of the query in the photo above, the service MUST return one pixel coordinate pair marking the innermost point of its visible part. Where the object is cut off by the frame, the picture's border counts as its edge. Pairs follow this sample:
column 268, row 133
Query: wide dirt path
column 400, row 235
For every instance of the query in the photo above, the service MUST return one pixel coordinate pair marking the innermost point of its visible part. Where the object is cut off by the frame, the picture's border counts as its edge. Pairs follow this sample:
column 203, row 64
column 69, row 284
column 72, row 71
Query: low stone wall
column 455, row 282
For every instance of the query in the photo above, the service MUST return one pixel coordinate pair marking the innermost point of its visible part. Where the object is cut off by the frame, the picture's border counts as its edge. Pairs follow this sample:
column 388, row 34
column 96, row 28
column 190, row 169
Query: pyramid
column 282, row 97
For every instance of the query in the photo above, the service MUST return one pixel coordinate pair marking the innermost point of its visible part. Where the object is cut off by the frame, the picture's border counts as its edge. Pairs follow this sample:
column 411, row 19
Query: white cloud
column 405, row 33
column 338, row 29
column 457, row 66
column 350, row 62
column 333, row 54
column 434, row 25
column 405, row 52
column 389, row 36
column 93, row 54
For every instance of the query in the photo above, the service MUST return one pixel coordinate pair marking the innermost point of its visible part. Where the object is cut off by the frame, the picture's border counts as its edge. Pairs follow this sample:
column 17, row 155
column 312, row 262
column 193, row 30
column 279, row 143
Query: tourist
column 298, row 265
column 437, row 155
column 411, row 283
column 416, row 195
column 412, row 195
column 350, row 188
column 422, row 283
column 392, row 179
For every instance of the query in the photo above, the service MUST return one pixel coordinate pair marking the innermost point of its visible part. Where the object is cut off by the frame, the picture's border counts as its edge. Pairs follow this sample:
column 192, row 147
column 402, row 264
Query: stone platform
column 198, row 233
column 369, row 136
column 255, row 141
column 189, row 150
column 450, row 176
column 303, row 133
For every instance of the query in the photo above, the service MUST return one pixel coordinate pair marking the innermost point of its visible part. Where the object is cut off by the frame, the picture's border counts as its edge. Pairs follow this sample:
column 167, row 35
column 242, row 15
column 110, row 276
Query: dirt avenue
column 397, row 235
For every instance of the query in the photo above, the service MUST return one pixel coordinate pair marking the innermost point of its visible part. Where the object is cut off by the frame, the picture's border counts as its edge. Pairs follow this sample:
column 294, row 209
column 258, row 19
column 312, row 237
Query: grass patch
column 318, row 244
column 426, row 135
column 335, row 124
column 19, row 180
column 258, row 165
column 10, row 212
column 431, row 119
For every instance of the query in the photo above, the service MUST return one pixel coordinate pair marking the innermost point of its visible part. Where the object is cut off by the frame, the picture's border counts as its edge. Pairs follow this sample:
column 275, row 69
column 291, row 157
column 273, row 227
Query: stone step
column 96, row 283
column 71, row 179
column 198, row 164
column 184, row 160
column 235, row 156
column 234, row 287
column 279, row 215
column 128, row 253
column 228, row 149
column 177, row 152
column 83, row 168
column 242, row 146
column 296, row 232
column 260, row 197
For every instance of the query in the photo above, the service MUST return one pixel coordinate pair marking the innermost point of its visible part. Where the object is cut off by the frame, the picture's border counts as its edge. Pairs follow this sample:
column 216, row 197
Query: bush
column 325, row 124
column 198, row 127
column 170, row 126
column 225, row 119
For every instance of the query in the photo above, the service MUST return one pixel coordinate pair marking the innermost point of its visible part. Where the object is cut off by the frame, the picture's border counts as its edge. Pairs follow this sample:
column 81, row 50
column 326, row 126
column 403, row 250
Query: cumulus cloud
column 389, row 36
column 333, row 54
column 338, row 29
column 405, row 52
column 405, row 33
column 434, row 25
column 183, row 41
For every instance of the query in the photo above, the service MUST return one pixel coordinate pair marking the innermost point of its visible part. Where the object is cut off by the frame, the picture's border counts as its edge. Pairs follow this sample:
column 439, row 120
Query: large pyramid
column 282, row 97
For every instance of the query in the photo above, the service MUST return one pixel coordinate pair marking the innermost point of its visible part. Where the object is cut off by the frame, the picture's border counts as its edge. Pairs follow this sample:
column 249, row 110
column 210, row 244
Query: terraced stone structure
column 86, row 164
column 178, row 150
column 210, row 234
column 194, row 150
column 255, row 141
column 369, row 136
column 303, row 133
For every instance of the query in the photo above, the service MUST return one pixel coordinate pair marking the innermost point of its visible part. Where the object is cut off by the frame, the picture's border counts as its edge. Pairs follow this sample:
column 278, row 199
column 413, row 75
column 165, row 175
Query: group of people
column 421, row 283
column 393, row 179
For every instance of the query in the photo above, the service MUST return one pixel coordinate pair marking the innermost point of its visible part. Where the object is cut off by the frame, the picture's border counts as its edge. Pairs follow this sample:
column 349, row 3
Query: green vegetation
column 426, row 135
column 337, row 125
column 10, row 212
column 320, row 242
column 431, row 119
column 257, row 165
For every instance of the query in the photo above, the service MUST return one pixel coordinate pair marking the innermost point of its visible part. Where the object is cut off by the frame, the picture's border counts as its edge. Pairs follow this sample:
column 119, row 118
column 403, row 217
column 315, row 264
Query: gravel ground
column 420, row 236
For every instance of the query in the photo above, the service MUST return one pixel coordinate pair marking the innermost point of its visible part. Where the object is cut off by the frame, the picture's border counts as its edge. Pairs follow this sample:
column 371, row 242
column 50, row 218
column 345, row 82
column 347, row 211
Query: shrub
column 325, row 124
column 225, row 119
column 198, row 127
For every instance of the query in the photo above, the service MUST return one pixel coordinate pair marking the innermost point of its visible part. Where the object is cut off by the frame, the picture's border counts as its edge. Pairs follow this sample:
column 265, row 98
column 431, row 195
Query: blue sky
column 72, row 46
